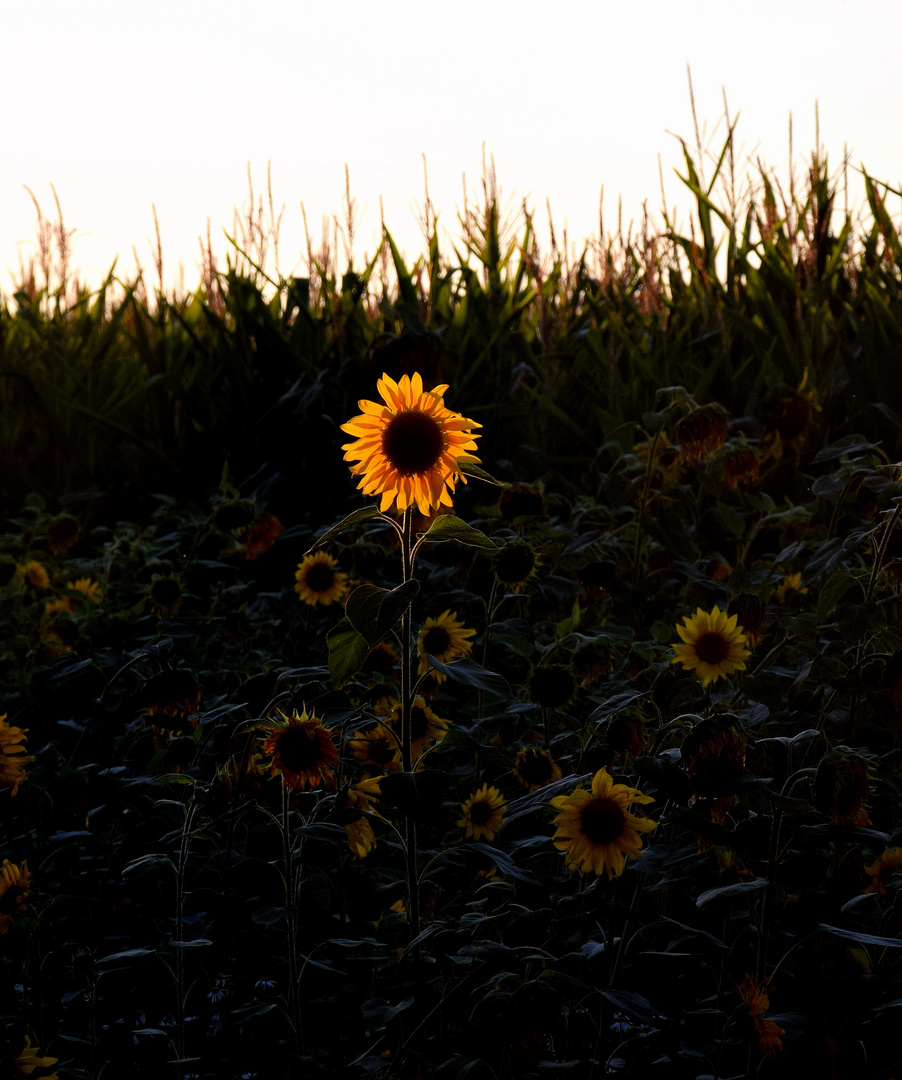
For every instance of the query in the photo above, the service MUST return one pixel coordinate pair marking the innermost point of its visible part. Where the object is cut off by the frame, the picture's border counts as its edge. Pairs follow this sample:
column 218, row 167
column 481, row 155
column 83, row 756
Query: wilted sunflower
column 165, row 596
column 883, row 869
column 702, row 433
column 595, row 828
column 483, row 812
column 13, row 758
column 409, row 450
column 536, row 768
column 445, row 638
column 757, row 1001
column 302, row 751
column 31, row 1059
column 842, row 787
column 741, row 468
column 714, row 645
column 13, row 892
column 318, row 582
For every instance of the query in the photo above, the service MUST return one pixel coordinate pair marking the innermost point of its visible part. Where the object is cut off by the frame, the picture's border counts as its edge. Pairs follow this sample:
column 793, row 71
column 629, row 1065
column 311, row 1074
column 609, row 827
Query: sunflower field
column 488, row 667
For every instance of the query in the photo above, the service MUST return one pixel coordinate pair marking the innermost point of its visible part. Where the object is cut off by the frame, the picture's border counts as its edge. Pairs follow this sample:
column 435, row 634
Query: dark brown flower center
column 320, row 577
column 536, row 768
column 298, row 749
column 515, row 563
column 436, row 640
column 380, row 751
column 9, row 900
column 413, row 442
column 480, row 812
column 712, row 648
column 602, row 821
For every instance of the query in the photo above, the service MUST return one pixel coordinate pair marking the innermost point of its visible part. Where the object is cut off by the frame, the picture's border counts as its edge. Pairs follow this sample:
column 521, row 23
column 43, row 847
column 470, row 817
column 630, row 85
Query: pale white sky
column 123, row 105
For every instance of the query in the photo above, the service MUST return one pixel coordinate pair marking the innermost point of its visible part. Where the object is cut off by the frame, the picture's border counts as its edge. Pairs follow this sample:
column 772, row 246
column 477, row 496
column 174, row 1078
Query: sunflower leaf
column 354, row 518
column 727, row 892
column 373, row 612
column 864, row 939
column 347, row 651
column 504, row 863
column 448, row 527
column 472, row 674
column 480, row 474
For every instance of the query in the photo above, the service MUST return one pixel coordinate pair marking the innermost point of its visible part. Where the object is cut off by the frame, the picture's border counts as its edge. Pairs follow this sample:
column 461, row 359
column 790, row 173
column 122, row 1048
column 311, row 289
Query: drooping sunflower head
column 62, row 534
column 261, row 536
column 750, row 613
column 756, row 1001
column 13, row 758
column 842, row 787
column 536, row 768
column 714, row 645
column 378, row 746
column 483, row 813
column 551, row 686
column 714, row 753
column 409, row 449
column 165, row 596
column 741, row 468
column 426, row 727
column 318, row 579
column 702, row 433
column 35, row 576
column 446, row 638
column 595, row 828
column 302, row 751
column 13, row 892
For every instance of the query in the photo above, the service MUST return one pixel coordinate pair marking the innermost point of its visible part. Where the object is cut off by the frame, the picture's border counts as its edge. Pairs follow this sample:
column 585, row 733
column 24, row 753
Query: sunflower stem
column 413, row 899
column 294, row 1010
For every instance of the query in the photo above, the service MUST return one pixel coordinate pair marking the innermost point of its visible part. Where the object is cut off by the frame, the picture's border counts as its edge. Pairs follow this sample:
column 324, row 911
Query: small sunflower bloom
column 318, row 581
column 714, row 645
column 409, row 449
column 446, row 638
column 302, row 751
column 261, row 536
column 535, row 768
column 31, row 1059
column 165, row 596
column 756, row 1001
column 516, row 564
column 426, row 727
column 882, row 871
column 35, row 576
column 90, row 590
column 13, row 758
column 595, row 828
column 13, row 892
column 483, row 813
column 790, row 583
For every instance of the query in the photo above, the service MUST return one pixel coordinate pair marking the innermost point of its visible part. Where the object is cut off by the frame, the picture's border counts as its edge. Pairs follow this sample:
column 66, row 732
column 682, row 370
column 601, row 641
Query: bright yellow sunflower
column 445, row 638
column 13, row 758
column 31, row 1059
column 409, row 450
column 13, row 892
column 595, row 828
column 714, row 645
column 318, row 582
column 483, row 812
column 302, row 751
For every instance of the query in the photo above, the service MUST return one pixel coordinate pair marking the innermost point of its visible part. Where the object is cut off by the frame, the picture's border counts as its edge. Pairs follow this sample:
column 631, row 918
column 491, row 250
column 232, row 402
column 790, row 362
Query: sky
column 122, row 107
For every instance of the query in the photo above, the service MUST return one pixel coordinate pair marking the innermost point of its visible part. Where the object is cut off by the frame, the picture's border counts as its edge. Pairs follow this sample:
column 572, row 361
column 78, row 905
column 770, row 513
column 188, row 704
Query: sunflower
column 445, row 638
column 318, row 582
column 409, row 450
column 361, row 838
column 302, row 751
column 883, row 870
column 13, row 892
column 35, row 575
column 790, row 583
column 595, row 828
column 702, row 433
column 13, row 758
column 741, row 468
column 165, row 596
column 483, row 812
column 757, row 1001
column 425, row 726
column 714, row 645
column 842, row 787
column 261, row 536
column 536, row 768
column 377, row 746
column 63, row 605
column 515, row 564
column 31, row 1059
column 90, row 590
